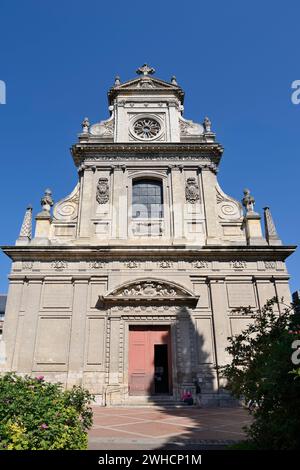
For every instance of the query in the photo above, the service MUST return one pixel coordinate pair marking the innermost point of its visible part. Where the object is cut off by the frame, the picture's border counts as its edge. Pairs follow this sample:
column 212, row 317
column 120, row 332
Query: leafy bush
column 243, row 445
column 262, row 370
column 39, row 415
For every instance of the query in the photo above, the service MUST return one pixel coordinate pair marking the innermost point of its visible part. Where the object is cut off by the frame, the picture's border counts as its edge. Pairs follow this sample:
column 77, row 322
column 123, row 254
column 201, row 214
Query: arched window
column 147, row 199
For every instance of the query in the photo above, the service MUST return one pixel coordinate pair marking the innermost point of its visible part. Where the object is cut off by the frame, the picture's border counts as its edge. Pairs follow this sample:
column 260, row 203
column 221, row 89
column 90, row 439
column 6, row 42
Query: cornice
column 211, row 252
column 132, row 151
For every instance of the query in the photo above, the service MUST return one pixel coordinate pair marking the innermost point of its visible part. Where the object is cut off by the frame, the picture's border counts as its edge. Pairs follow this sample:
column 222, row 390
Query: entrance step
column 155, row 401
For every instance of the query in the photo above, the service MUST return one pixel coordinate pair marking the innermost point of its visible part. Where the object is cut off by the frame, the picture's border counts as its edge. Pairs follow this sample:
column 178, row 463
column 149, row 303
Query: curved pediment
column 149, row 289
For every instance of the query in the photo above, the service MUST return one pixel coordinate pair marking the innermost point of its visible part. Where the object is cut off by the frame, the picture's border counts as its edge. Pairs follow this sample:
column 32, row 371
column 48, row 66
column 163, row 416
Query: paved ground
column 166, row 428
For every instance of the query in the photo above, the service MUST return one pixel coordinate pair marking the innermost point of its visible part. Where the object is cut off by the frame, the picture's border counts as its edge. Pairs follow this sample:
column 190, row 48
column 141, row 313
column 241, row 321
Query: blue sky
column 236, row 63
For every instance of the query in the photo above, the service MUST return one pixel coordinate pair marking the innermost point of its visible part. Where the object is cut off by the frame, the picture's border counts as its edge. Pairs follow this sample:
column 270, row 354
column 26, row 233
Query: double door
column 150, row 361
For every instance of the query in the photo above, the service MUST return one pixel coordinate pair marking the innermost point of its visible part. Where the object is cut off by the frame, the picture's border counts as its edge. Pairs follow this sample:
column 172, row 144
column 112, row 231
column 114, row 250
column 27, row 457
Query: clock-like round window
column 146, row 128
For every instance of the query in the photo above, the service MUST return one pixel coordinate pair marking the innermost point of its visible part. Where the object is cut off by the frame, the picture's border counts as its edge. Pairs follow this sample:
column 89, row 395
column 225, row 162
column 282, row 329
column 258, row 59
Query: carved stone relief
column 132, row 264
column 67, row 208
column 59, row 265
column 103, row 128
column 165, row 264
column 236, row 264
column 190, row 128
column 96, row 264
column 148, row 289
column 192, row 190
column 200, row 264
column 270, row 264
column 102, row 195
column 27, row 265
column 228, row 208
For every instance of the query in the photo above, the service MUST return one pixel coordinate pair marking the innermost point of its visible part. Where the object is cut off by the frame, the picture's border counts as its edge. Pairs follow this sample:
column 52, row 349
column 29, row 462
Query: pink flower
column 40, row 378
column 44, row 426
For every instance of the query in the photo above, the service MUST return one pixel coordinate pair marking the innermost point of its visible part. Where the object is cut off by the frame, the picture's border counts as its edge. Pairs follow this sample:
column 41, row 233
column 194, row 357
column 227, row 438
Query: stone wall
column 57, row 326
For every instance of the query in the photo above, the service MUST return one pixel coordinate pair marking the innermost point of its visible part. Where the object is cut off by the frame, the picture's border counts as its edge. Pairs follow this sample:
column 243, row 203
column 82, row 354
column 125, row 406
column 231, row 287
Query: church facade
column 130, row 285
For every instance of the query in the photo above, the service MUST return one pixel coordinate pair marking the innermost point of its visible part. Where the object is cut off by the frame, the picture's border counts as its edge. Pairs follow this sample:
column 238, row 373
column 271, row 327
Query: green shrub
column 243, row 445
column 262, row 370
column 38, row 415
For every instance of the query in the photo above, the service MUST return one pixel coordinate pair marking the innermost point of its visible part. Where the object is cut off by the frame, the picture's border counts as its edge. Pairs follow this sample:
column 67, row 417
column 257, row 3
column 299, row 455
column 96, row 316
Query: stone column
column 12, row 312
column 209, row 181
column 220, row 318
column 86, row 203
column 30, row 325
column 177, row 202
column 77, row 342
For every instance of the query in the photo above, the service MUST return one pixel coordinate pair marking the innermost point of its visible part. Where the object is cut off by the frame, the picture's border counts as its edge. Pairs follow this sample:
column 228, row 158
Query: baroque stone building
column 130, row 286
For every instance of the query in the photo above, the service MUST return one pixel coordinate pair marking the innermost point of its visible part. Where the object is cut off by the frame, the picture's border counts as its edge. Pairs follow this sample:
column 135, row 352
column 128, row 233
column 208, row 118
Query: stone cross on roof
column 145, row 70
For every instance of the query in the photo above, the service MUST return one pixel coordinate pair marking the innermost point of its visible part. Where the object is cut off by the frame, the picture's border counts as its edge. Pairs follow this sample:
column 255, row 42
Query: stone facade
column 98, row 269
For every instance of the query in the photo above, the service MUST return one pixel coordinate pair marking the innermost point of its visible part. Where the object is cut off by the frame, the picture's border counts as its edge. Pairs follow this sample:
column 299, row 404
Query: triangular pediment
column 146, row 82
column 149, row 289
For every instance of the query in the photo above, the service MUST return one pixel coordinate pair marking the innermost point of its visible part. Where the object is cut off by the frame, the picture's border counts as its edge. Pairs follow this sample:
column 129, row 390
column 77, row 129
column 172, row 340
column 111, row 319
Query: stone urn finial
column 117, row 80
column 207, row 124
column 174, row 81
column 248, row 201
column 47, row 201
column 85, row 125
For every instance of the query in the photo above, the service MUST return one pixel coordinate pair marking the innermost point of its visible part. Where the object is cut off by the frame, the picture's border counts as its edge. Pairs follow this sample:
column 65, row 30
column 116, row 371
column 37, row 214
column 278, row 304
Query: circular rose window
column 146, row 128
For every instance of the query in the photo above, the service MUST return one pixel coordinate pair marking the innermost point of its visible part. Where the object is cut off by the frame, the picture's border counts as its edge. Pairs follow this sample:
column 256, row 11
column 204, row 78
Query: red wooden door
column 142, row 341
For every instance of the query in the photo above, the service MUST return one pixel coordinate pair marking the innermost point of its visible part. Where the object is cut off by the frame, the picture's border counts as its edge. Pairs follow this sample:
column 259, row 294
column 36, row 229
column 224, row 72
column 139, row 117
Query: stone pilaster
column 119, row 203
column 114, row 347
column 30, row 325
column 209, row 182
column 177, row 182
column 87, row 180
column 220, row 318
column 174, row 131
column 76, row 355
column 184, row 350
column 265, row 289
column 12, row 310
column 283, row 292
